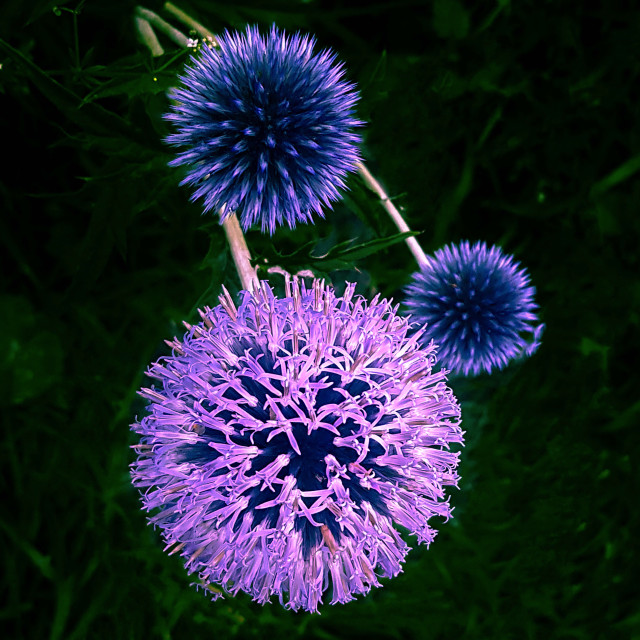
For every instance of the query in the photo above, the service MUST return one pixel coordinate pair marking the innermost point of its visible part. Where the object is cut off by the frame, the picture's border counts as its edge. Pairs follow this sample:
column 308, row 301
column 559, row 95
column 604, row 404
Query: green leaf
column 372, row 246
column 91, row 117
column 40, row 560
column 450, row 19
column 31, row 359
column 622, row 173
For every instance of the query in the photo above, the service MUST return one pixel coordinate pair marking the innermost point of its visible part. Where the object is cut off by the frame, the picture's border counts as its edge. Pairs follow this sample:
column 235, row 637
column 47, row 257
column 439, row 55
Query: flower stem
column 145, row 20
column 394, row 214
column 241, row 254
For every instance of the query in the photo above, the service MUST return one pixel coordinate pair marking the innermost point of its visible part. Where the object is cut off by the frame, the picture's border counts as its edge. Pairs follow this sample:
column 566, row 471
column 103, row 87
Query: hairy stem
column 145, row 19
column 241, row 254
column 385, row 201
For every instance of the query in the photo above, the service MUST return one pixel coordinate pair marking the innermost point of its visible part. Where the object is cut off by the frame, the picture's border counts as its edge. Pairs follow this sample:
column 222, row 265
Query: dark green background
column 510, row 122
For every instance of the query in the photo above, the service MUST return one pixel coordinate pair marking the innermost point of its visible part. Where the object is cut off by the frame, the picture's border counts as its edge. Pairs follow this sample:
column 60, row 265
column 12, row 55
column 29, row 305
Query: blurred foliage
column 510, row 122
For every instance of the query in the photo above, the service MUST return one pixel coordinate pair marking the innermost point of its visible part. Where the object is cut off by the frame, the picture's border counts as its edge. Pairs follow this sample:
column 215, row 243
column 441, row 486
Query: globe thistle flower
column 478, row 306
column 287, row 436
column 266, row 126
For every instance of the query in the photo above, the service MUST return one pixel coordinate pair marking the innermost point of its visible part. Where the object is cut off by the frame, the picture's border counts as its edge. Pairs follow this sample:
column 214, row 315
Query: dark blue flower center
column 309, row 466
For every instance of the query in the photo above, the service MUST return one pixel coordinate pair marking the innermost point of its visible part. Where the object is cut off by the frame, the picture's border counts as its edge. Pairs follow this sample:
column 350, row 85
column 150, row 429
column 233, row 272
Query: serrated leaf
column 372, row 246
column 319, row 251
column 303, row 249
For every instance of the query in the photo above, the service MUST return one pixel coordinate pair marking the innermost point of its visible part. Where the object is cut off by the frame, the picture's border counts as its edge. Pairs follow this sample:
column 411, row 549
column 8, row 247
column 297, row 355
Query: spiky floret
column 285, row 438
column 478, row 306
column 267, row 127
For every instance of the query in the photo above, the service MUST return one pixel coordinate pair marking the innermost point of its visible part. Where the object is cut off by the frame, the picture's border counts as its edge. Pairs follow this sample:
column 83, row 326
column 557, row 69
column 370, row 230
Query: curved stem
column 240, row 253
column 394, row 214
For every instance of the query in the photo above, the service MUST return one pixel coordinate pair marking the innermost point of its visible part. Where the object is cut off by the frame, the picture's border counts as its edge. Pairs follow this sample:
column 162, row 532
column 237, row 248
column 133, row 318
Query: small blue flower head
column 266, row 126
column 285, row 440
column 478, row 306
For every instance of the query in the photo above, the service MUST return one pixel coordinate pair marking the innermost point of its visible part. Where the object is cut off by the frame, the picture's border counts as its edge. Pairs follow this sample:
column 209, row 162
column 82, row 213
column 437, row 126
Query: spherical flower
column 267, row 127
column 478, row 306
column 286, row 437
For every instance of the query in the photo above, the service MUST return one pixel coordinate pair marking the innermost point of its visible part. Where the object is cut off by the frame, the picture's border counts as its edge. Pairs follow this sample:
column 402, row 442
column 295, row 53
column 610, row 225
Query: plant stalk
column 241, row 254
column 394, row 214
column 145, row 21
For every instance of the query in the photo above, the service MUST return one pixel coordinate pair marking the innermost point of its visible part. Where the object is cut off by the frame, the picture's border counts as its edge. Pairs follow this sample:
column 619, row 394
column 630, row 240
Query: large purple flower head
column 478, row 305
column 267, row 127
column 286, row 437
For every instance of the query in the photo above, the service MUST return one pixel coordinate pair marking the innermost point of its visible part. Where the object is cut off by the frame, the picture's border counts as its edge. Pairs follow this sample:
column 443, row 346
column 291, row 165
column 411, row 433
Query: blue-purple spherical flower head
column 267, row 127
column 478, row 305
column 287, row 436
